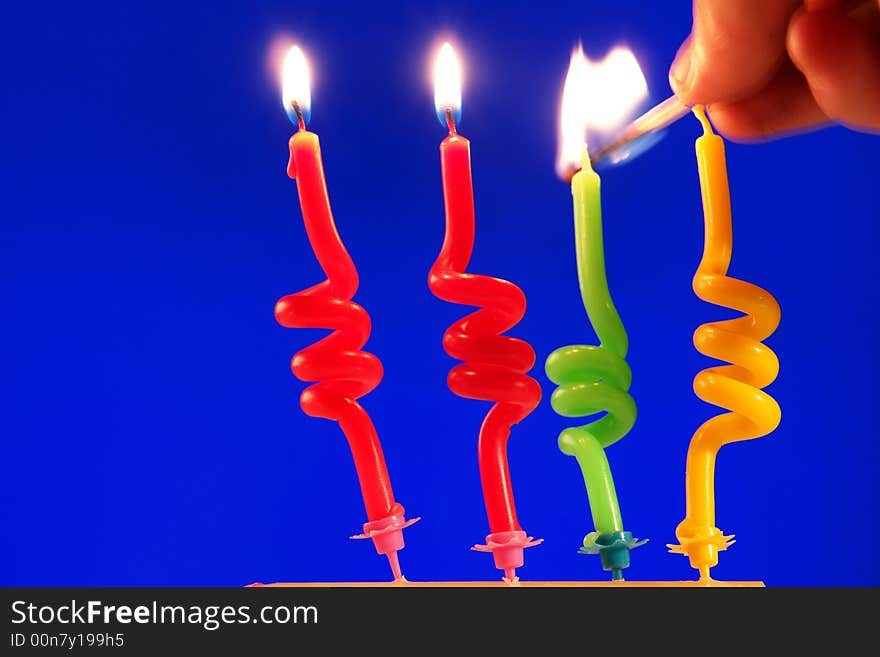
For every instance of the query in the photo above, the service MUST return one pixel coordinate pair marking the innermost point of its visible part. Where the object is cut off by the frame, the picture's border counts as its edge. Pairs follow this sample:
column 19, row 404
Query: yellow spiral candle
column 737, row 386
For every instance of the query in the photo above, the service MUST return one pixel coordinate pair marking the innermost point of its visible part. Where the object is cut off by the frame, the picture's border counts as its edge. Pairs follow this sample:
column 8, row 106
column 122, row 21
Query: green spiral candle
column 593, row 379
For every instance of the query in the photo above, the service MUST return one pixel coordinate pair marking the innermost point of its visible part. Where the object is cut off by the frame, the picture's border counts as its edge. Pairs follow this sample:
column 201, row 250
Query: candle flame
column 447, row 84
column 597, row 97
column 295, row 85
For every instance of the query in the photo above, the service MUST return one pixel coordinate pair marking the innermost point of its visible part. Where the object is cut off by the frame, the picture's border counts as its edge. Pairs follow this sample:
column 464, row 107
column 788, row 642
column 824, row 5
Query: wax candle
column 735, row 387
column 342, row 372
column 495, row 365
column 601, row 372
column 595, row 378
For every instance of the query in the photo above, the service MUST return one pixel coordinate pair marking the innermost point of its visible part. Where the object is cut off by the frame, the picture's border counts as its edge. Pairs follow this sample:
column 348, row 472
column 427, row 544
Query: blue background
column 150, row 425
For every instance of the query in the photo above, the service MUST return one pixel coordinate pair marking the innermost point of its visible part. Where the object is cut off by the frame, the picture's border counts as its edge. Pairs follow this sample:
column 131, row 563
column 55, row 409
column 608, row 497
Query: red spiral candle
column 340, row 371
column 495, row 366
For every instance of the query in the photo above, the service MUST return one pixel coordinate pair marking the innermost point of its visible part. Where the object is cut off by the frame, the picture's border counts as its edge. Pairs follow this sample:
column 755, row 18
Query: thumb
column 735, row 48
column 840, row 58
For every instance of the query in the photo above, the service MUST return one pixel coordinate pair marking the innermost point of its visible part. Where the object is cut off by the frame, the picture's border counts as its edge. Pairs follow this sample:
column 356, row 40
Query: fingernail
column 680, row 72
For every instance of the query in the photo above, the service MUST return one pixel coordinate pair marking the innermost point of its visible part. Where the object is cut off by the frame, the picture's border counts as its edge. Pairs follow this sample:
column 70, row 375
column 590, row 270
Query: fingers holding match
column 784, row 107
column 771, row 68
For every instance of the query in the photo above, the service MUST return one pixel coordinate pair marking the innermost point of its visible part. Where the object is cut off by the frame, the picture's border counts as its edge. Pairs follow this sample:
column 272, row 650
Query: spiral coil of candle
column 591, row 379
column 340, row 372
column 495, row 365
column 737, row 386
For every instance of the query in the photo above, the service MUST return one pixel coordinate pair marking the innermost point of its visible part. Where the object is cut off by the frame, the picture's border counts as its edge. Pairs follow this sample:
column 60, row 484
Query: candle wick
column 700, row 112
column 586, row 162
column 450, row 121
column 301, row 122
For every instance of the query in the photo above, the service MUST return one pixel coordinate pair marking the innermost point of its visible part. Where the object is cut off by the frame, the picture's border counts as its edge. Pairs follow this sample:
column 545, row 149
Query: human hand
column 766, row 68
